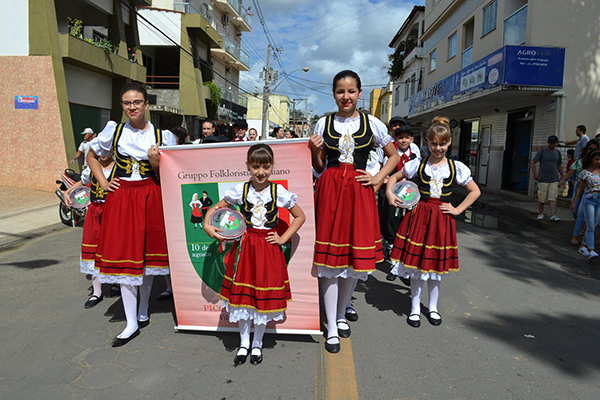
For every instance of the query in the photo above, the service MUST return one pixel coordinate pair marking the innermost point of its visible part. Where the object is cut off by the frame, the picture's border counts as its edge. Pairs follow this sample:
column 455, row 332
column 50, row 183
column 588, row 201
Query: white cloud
column 327, row 37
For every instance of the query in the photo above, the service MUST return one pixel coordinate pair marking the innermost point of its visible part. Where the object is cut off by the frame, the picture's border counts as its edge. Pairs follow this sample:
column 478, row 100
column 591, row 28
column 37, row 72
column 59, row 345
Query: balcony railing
column 467, row 57
column 515, row 28
column 244, row 58
column 245, row 15
column 163, row 81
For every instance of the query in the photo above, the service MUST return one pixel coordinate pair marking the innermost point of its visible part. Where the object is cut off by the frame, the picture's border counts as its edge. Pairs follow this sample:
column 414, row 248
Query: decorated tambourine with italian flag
column 231, row 223
column 408, row 192
column 80, row 197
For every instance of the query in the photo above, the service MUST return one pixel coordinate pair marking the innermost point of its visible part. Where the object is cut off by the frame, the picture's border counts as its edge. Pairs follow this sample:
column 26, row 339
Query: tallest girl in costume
column 348, row 242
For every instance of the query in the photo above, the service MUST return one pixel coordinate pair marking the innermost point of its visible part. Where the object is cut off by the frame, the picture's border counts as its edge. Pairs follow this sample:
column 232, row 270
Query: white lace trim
column 401, row 270
column 121, row 280
column 348, row 272
column 156, row 271
column 243, row 313
column 87, row 267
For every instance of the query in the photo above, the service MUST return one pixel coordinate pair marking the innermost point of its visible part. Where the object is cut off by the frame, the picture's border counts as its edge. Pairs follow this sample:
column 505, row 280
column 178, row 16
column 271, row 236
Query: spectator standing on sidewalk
column 580, row 143
column 84, row 147
column 589, row 181
column 551, row 171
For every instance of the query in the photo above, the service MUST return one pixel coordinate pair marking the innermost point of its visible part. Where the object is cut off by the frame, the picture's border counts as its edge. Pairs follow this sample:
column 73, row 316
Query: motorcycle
column 68, row 215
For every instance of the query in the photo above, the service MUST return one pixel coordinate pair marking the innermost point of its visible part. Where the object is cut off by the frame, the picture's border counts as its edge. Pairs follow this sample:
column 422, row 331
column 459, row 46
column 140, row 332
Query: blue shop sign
column 510, row 65
column 26, row 102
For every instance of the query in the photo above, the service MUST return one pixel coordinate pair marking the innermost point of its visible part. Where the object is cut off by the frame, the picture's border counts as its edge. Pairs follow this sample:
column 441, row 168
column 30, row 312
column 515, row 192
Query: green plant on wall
column 75, row 27
column 215, row 93
column 106, row 45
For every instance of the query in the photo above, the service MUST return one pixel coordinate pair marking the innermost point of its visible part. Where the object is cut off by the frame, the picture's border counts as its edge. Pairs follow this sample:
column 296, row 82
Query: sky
column 326, row 36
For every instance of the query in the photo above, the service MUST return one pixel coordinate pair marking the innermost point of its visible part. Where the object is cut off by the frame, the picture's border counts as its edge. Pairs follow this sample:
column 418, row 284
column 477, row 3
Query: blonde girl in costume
column 91, row 226
column 425, row 247
column 348, row 240
column 256, row 285
column 132, row 247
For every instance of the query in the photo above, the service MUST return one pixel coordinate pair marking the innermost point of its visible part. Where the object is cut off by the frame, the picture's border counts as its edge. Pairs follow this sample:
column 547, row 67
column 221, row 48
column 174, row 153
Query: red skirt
column 256, row 274
column 132, row 234
column 91, row 231
column 426, row 240
column 347, row 221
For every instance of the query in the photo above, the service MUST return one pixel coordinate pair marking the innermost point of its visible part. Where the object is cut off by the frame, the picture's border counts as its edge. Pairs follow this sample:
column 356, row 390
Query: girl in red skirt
column 256, row 285
column 425, row 247
column 348, row 240
column 91, row 226
column 132, row 246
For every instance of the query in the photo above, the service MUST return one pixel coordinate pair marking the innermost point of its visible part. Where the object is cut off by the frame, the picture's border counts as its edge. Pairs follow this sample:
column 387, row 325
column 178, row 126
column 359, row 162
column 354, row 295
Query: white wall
column 14, row 28
column 168, row 22
column 88, row 88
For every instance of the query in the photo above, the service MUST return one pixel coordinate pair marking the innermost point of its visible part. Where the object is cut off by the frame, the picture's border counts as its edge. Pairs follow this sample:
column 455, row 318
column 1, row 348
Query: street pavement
column 520, row 321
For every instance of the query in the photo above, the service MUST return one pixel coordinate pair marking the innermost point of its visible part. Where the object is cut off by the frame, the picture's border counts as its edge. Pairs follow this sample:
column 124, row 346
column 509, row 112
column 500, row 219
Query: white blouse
column 438, row 174
column 348, row 126
column 285, row 199
column 133, row 143
column 86, row 175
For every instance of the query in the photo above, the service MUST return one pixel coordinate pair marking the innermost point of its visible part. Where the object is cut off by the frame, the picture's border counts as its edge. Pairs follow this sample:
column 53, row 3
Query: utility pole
column 294, row 112
column 265, row 113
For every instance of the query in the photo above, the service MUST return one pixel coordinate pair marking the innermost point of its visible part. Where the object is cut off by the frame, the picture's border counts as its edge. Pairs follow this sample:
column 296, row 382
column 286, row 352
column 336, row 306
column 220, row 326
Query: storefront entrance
column 469, row 144
column 515, row 170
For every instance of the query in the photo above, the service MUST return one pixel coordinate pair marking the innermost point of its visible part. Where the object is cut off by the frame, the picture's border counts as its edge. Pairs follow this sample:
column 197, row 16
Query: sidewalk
column 26, row 214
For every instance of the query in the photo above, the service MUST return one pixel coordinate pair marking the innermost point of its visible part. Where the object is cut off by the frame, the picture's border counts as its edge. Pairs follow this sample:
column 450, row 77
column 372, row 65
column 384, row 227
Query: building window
column 515, row 28
column 467, row 54
column 407, row 89
column 413, row 84
column 452, row 46
column 397, row 96
column 432, row 58
column 490, row 12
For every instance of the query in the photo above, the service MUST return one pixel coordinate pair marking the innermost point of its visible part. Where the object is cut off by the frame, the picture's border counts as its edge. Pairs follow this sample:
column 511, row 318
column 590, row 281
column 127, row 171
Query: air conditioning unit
column 225, row 19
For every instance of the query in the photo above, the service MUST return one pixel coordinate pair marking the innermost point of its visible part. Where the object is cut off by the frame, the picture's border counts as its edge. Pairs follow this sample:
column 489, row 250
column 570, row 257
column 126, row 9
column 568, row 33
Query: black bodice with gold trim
column 363, row 142
column 422, row 180
column 124, row 165
column 272, row 211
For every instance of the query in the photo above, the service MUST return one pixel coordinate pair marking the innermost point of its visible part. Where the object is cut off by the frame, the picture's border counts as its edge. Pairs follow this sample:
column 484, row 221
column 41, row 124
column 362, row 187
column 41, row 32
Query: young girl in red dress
column 256, row 285
column 348, row 239
column 132, row 246
column 425, row 247
column 91, row 226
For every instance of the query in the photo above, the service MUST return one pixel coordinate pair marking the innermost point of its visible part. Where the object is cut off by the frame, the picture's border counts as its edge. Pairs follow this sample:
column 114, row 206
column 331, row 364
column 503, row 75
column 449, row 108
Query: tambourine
column 231, row 223
column 408, row 192
column 80, row 197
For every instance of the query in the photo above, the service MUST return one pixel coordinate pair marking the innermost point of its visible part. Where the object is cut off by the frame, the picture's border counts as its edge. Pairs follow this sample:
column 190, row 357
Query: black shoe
column 255, row 360
column 435, row 321
column 406, row 281
column 118, row 342
column 239, row 359
column 143, row 324
column 391, row 277
column 351, row 314
column 115, row 291
column 344, row 333
column 414, row 323
column 332, row 347
column 93, row 301
column 167, row 294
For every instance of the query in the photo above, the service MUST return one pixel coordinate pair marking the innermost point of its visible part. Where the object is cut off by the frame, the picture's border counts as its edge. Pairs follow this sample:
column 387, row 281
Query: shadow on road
column 32, row 264
column 567, row 343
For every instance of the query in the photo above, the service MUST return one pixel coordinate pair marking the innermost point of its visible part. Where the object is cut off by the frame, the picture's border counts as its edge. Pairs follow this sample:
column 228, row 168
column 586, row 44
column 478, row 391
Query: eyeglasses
column 136, row 103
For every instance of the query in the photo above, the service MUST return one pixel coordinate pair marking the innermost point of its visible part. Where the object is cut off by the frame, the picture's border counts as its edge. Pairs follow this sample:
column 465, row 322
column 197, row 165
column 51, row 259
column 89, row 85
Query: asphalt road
column 520, row 321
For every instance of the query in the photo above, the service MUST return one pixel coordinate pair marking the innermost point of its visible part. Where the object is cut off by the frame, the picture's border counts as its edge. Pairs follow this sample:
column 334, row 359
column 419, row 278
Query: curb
column 19, row 239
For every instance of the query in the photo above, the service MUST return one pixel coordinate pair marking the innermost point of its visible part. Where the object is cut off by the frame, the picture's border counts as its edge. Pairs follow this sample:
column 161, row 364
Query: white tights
column 259, row 331
column 129, row 297
column 416, row 289
column 336, row 293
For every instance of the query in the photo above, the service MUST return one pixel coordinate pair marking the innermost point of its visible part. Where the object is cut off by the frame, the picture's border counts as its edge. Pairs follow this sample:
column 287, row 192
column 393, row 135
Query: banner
column 193, row 178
